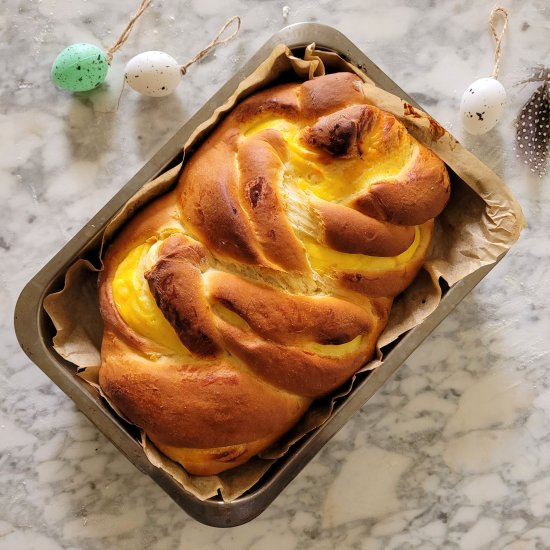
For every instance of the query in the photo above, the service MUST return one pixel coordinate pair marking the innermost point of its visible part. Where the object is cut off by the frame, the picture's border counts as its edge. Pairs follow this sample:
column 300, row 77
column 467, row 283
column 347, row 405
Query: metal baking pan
column 35, row 330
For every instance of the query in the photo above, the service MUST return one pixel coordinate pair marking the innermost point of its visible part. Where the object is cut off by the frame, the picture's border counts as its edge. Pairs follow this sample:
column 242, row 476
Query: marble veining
column 453, row 452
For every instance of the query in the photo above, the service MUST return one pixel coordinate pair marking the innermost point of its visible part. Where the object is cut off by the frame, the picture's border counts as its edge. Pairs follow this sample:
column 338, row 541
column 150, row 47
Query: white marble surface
column 454, row 452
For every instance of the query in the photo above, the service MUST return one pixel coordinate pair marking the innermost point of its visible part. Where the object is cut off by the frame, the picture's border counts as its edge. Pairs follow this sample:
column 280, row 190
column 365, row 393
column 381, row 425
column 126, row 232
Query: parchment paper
column 480, row 223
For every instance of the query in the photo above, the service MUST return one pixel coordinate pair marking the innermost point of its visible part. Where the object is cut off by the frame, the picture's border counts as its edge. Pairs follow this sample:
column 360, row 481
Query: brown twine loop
column 498, row 38
column 215, row 42
column 126, row 32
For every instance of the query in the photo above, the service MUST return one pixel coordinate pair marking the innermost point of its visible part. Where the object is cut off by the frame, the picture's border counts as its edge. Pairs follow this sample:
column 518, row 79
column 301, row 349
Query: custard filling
column 135, row 303
column 324, row 259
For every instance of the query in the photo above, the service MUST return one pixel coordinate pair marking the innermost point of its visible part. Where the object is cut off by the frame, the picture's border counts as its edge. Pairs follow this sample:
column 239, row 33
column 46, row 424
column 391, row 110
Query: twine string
column 498, row 38
column 128, row 29
column 215, row 42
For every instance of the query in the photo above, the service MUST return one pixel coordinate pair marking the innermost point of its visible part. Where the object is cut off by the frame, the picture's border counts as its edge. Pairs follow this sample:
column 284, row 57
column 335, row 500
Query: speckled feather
column 533, row 130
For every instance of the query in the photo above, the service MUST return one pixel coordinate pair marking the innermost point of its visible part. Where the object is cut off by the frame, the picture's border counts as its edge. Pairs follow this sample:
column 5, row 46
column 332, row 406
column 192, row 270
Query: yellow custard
column 135, row 303
column 337, row 179
column 327, row 350
column 324, row 259
column 335, row 350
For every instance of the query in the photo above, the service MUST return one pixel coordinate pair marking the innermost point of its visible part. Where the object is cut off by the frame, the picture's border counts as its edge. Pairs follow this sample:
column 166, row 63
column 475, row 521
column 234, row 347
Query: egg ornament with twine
column 482, row 105
column 154, row 74
column 80, row 68
column 157, row 74
column 83, row 67
column 483, row 101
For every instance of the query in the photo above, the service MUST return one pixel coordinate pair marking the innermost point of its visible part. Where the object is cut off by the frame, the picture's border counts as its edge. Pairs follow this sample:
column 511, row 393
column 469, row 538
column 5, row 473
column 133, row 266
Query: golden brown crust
column 324, row 95
column 392, row 281
column 205, row 462
column 340, row 134
column 412, row 198
column 347, row 230
column 277, row 101
column 261, row 164
column 210, row 202
column 288, row 319
column 149, row 223
column 275, row 261
column 293, row 369
column 184, row 403
column 176, row 284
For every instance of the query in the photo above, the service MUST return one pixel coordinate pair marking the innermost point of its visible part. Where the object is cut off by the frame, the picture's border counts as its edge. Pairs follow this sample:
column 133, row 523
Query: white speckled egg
column 155, row 74
column 482, row 105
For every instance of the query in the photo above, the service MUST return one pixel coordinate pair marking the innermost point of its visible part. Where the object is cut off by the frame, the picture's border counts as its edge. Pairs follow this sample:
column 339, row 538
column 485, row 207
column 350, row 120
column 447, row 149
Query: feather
column 533, row 130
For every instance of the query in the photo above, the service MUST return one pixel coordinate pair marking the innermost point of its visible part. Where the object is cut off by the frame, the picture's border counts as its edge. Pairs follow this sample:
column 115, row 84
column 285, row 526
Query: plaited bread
column 263, row 281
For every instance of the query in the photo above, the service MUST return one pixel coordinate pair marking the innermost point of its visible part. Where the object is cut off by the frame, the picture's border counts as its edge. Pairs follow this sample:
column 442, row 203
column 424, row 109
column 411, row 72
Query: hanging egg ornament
column 80, row 68
column 153, row 74
column 483, row 101
column 83, row 67
column 482, row 105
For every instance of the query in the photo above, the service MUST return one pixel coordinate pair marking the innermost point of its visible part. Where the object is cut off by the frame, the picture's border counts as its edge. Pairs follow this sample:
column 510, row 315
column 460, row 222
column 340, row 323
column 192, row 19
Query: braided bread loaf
column 263, row 281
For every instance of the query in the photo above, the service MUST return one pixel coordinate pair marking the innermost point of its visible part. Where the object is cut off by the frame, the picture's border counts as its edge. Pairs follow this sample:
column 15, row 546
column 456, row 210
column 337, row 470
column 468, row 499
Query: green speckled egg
column 80, row 67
